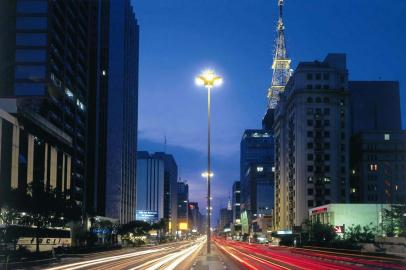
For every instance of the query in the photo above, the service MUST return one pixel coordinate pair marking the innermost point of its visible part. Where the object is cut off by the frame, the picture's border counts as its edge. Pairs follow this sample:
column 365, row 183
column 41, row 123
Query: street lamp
column 208, row 79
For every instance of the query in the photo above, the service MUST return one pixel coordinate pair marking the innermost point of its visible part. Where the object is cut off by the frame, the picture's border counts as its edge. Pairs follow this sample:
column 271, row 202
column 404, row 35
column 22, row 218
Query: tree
column 394, row 220
column 358, row 234
column 321, row 233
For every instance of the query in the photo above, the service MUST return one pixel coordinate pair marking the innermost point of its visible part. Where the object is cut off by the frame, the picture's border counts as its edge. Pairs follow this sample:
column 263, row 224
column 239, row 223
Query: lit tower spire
column 281, row 63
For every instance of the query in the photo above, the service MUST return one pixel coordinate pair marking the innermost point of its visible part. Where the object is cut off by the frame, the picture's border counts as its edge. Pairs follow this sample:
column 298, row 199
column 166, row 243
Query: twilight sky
column 180, row 38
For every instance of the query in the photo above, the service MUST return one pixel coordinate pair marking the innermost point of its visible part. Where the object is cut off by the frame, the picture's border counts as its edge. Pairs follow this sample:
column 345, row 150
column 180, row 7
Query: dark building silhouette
column 113, row 102
column 378, row 167
column 374, row 105
column 44, row 83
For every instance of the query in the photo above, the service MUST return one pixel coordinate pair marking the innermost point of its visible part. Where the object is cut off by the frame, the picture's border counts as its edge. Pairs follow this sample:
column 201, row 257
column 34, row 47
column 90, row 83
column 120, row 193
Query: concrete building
column 375, row 105
column 312, row 130
column 149, row 187
column 343, row 216
column 378, row 167
column 44, row 82
column 26, row 158
column 113, row 110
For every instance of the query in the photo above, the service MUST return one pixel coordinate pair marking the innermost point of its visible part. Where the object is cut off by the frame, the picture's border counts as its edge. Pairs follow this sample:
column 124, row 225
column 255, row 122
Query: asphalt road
column 261, row 257
column 168, row 257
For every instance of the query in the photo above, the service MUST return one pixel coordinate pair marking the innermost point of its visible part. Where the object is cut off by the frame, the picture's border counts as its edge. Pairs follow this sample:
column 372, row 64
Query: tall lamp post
column 208, row 79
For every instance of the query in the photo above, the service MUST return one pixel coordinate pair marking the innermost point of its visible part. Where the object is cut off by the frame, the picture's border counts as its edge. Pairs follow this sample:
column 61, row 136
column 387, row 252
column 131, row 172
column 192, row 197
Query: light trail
column 78, row 265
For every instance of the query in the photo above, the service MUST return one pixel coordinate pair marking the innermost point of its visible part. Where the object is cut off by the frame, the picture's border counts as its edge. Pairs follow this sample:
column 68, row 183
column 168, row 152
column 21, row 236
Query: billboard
column 146, row 215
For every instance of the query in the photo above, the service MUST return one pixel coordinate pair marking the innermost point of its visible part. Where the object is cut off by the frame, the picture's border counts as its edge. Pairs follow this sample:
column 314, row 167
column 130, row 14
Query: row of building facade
column 69, row 110
column 332, row 141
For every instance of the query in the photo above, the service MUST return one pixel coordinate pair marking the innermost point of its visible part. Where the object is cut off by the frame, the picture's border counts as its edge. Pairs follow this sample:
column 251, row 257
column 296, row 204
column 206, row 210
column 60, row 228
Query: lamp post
column 208, row 79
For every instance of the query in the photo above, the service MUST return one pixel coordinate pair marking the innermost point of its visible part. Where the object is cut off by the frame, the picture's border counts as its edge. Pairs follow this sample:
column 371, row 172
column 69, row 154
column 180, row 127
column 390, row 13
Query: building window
column 310, row 168
column 326, row 157
column 327, row 134
column 309, row 111
column 327, row 191
column 309, row 145
column 318, row 86
column 326, row 111
column 260, row 169
column 309, row 191
column 327, row 168
column 327, row 179
column 327, row 122
column 326, row 100
column 30, row 55
column 310, row 134
column 387, row 137
column 373, row 167
column 327, row 145
column 28, row 23
column 318, row 76
column 309, row 123
column 27, row 39
column 309, row 76
column 309, row 86
column 309, row 100
column 326, row 76
column 310, row 203
column 326, row 86
column 310, row 157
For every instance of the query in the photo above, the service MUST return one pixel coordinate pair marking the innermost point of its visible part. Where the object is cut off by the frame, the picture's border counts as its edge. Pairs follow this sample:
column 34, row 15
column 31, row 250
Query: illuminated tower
column 281, row 63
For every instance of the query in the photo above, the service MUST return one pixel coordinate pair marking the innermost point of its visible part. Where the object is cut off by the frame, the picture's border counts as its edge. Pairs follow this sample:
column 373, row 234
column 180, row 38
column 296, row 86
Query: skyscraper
column 312, row 129
column 375, row 105
column 170, row 188
column 113, row 110
column 256, row 165
column 149, row 187
column 44, row 82
column 378, row 167
column 183, row 200
column 236, row 202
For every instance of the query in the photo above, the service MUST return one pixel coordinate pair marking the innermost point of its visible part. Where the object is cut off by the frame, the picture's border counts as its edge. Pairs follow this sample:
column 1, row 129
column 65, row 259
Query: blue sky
column 180, row 38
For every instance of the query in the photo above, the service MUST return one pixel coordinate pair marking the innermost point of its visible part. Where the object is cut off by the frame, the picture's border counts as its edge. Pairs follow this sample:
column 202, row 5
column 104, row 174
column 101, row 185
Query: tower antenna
column 281, row 63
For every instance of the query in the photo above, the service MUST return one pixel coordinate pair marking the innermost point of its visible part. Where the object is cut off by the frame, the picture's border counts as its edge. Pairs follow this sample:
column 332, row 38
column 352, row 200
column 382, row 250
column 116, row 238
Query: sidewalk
column 213, row 261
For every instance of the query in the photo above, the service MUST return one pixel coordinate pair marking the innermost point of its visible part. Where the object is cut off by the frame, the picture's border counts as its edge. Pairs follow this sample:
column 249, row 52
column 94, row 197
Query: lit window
column 373, row 167
column 387, row 137
column 68, row 92
column 260, row 169
column 353, row 190
column 104, row 72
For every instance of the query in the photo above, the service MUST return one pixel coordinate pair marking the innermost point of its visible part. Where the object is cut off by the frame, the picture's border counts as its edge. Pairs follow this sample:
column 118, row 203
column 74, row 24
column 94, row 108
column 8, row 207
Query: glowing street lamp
column 208, row 79
column 206, row 174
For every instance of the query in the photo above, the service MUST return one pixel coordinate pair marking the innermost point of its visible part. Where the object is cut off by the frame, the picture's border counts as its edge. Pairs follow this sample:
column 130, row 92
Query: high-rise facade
column 170, row 189
column 183, row 200
column 236, row 203
column 44, row 81
column 375, row 105
column 312, row 129
column 226, row 218
column 113, row 110
column 378, row 167
column 23, row 160
column 149, row 187
column 257, row 180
